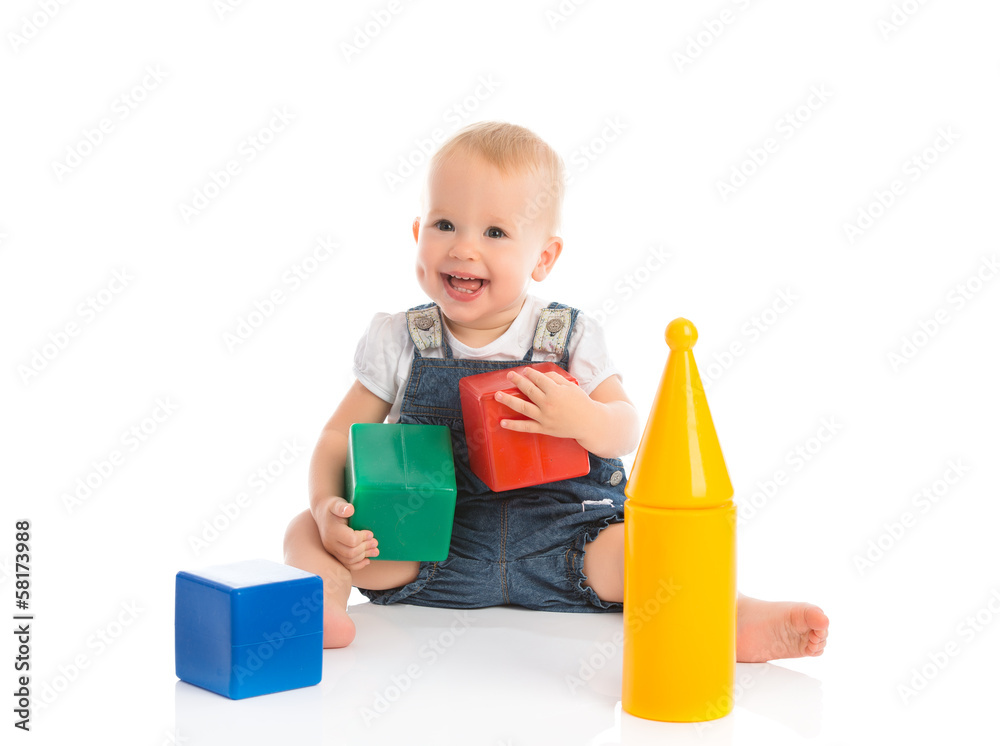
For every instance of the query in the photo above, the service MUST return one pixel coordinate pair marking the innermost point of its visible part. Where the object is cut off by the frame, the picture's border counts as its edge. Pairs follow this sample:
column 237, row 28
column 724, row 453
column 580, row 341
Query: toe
column 816, row 648
column 815, row 618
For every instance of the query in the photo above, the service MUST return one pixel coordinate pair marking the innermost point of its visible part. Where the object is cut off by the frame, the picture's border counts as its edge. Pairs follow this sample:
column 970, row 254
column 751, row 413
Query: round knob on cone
column 681, row 335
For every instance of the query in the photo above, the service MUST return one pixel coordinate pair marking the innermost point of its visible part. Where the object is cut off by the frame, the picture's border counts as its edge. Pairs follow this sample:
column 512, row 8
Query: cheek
column 422, row 264
column 425, row 253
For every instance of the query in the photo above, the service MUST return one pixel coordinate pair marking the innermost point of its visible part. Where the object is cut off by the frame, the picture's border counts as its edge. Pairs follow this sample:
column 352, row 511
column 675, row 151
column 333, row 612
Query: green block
column 401, row 481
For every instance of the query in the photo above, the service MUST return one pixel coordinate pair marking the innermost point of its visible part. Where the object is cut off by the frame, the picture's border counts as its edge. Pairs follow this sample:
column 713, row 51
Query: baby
column 489, row 225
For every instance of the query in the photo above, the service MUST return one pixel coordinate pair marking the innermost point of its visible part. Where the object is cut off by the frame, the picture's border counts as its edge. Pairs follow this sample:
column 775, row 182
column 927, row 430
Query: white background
column 649, row 137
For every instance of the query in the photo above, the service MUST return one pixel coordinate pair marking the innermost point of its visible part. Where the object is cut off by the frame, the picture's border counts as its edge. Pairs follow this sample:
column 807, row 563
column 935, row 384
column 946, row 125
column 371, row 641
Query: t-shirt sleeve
column 377, row 357
column 589, row 360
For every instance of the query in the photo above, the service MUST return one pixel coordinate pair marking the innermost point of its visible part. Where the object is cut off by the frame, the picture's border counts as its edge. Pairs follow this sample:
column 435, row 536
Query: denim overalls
column 522, row 546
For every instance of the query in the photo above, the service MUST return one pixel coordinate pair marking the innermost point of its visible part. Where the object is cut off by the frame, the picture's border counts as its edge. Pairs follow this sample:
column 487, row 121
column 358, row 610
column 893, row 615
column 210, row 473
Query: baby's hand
column 557, row 406
column 351, row 548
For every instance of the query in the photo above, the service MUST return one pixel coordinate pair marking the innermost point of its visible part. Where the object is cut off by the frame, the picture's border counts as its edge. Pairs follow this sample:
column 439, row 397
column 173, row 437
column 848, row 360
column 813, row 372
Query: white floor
column 501, row 676
column 511, row 676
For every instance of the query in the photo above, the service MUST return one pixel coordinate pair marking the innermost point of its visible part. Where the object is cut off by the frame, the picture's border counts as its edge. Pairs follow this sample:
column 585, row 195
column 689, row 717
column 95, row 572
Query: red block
column 507, row 460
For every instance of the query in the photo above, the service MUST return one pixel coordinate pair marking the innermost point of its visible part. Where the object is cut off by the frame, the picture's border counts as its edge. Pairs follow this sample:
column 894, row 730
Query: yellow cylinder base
column 679, row 612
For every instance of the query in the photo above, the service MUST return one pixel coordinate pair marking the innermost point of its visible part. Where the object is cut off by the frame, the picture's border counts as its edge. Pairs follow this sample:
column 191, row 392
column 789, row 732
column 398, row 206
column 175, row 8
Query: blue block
column 249, row 628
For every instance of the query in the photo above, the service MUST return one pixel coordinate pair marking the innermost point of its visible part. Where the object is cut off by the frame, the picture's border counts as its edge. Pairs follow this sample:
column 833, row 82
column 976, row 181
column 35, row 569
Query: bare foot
column 304, row 549
column 338, row 627
column 766, row 630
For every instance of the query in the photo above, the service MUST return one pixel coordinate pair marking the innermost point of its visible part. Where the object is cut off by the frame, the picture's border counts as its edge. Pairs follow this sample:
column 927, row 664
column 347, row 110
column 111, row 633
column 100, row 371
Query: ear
column 416, row 228
column 547, row 260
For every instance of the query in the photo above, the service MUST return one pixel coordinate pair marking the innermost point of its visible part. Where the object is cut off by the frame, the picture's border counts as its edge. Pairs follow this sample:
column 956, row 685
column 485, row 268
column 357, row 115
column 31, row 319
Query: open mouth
column 464, row 284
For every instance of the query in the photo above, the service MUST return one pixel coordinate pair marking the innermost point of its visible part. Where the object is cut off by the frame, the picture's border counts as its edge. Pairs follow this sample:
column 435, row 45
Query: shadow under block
column 401, row 481
column 505, row 459
column 249, row 628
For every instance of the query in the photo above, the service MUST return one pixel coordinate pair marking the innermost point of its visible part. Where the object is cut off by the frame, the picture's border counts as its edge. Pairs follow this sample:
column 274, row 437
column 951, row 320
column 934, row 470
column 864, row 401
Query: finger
column 521, row 426
column 513, row 402
column 526, row 386
column 527, row 408
column 341, row 508
column 350, row 538
column 366, row 544
column 359, row 553
column 541, row 381
column 352, row 555
column 338, row 538
column 557, row 379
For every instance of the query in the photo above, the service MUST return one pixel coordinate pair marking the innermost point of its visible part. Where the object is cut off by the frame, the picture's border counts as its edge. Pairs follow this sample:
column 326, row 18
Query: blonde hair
column 511, row 148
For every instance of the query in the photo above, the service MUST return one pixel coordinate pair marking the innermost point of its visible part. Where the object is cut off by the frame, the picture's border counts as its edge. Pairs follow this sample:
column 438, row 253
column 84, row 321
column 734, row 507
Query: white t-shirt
column 383, row 356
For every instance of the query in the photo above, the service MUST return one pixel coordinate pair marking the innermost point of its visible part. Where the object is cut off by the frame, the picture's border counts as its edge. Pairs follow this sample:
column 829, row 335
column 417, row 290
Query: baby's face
column 480, row 242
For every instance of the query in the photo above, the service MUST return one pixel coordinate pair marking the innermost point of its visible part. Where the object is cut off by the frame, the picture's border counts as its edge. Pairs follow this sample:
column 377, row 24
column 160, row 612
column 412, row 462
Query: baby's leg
column 765, row 630
column 604, row 563
column 304, row 549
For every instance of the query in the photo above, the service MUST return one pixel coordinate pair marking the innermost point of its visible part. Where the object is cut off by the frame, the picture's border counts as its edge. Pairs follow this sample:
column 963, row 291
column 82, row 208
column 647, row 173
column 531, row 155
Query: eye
column 444, row 225
column 494, row 232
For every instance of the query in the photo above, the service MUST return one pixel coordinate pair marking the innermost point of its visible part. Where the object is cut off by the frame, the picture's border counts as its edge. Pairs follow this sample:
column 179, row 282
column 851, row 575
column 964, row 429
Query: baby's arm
column 326, row 479
column 605, row 423
column 616, row 427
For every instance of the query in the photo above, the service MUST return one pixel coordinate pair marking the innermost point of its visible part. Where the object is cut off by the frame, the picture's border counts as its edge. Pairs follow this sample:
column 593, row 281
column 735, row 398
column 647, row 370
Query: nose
column 464, row 248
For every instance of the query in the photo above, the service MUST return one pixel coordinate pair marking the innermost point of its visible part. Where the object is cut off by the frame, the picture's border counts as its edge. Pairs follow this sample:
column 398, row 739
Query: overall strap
column 426, row 329
column 553, row 332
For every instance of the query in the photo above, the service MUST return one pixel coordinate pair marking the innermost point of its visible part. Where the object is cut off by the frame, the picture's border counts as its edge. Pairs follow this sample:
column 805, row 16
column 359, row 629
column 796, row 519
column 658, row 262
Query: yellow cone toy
column 680, row 555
